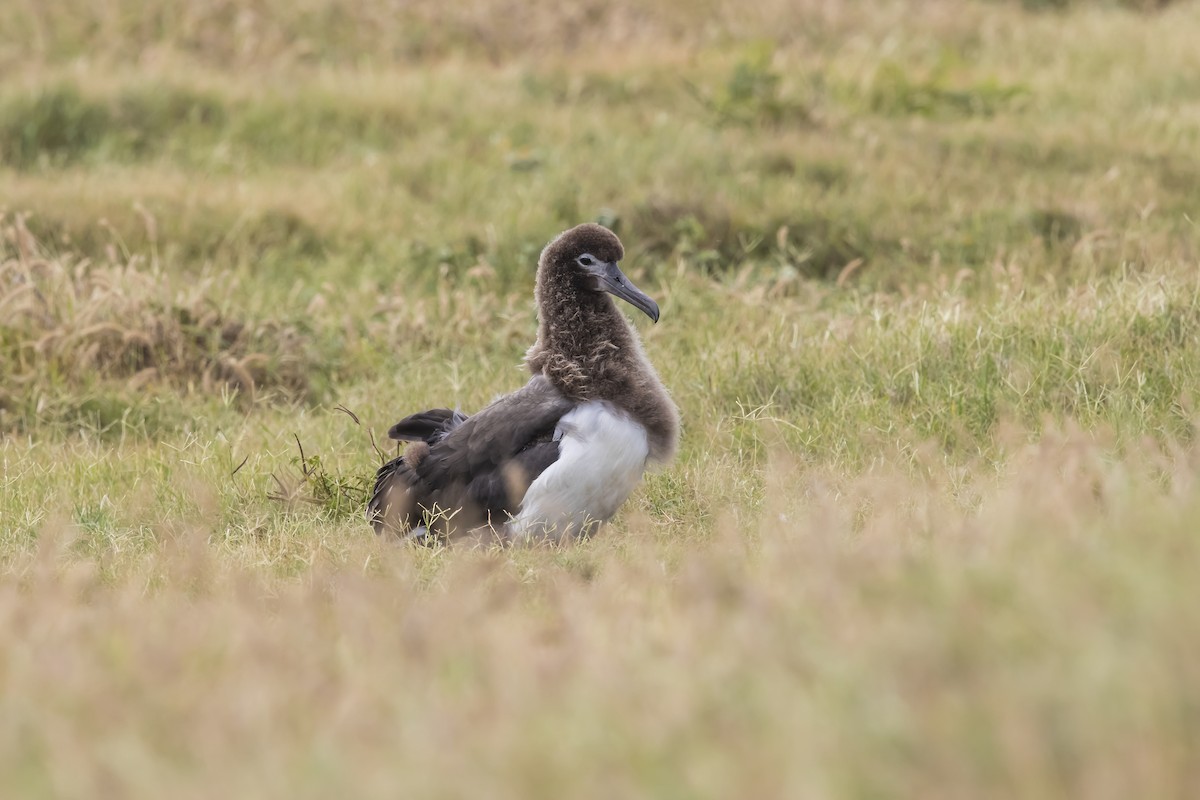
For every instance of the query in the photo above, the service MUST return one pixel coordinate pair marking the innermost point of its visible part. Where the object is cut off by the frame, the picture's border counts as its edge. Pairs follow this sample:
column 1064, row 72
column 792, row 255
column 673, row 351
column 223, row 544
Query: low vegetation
column 931, row 311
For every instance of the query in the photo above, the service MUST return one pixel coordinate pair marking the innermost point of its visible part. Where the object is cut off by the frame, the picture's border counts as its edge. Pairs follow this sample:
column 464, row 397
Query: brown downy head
column 580, row 266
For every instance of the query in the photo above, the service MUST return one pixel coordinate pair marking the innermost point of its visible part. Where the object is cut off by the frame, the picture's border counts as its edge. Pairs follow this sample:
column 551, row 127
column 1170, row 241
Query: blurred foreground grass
column 930, row 308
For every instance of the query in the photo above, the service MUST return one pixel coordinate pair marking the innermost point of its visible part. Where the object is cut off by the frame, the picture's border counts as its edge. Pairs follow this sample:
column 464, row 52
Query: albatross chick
column 557, row 457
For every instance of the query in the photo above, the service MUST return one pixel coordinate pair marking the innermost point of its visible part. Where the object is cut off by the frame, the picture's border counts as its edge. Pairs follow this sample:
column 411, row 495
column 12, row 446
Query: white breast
column 602, row 455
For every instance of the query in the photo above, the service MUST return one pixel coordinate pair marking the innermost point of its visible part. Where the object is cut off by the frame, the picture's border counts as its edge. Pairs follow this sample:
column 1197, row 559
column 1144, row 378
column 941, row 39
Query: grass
column 930, row 310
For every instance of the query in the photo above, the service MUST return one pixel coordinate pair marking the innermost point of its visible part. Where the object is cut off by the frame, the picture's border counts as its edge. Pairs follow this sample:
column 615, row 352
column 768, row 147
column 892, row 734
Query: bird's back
column 467, row 472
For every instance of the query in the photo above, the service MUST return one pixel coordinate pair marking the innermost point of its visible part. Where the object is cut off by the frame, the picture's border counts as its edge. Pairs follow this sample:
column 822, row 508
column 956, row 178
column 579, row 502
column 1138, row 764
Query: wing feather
column 427, row 426
column 477, row 468
column 496, row 434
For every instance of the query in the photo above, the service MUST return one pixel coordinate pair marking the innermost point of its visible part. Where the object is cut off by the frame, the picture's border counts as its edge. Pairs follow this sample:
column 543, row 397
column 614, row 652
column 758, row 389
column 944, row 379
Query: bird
column 555, row 459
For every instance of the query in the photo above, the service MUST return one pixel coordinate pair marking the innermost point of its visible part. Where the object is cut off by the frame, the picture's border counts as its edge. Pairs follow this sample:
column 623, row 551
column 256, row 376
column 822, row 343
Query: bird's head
column 585, row 257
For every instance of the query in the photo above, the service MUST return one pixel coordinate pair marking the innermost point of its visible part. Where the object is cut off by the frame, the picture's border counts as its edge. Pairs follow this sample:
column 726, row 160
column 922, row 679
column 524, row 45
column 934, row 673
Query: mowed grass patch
column 59, row 125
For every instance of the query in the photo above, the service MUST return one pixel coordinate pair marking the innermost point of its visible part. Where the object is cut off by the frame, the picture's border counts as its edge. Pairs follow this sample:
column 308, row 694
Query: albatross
column 557, row 457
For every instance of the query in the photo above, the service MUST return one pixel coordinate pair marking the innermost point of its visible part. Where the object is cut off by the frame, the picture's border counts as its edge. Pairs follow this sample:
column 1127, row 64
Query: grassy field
column 931, row 312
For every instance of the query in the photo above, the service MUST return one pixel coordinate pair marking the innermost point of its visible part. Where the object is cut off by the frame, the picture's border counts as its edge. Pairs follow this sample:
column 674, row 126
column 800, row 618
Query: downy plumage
column 559, row 455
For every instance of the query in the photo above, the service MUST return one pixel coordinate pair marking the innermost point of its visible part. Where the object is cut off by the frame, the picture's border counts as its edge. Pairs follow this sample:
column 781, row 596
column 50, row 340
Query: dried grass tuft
column 74, row 322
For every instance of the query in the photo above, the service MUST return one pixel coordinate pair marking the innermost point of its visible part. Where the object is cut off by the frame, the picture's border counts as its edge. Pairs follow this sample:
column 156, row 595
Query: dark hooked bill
column 613, row 281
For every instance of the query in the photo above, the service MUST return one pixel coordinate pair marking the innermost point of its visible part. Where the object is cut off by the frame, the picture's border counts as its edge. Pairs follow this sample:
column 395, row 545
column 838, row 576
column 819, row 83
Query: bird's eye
column 586, row 260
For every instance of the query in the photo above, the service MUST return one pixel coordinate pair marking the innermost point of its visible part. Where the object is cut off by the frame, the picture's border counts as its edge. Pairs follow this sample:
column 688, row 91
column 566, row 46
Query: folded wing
column 466, row 472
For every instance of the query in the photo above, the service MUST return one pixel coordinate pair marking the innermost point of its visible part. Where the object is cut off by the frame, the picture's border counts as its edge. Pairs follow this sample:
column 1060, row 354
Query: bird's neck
column 589, row 351
column 583, row 342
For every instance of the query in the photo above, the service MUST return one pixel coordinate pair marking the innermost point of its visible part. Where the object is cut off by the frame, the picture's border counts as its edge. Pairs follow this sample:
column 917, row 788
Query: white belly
column 602, row 455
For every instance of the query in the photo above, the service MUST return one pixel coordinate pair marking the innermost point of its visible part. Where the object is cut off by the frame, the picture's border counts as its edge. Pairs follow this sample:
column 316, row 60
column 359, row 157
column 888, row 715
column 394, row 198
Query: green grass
column 930, row 310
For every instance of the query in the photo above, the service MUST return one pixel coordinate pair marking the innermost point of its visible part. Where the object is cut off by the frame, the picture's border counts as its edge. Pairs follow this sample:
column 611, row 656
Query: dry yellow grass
column 945, row 635
column 73, row 323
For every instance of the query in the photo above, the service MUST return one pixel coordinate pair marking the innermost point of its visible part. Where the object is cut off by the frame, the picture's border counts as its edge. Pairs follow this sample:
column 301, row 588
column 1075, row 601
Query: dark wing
column 427, row 426
column 492, row 437
column 498, row 492
column 474, row 470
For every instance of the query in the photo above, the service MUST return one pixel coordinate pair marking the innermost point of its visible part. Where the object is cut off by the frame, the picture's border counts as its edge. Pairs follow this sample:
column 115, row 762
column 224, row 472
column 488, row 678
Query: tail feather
column 390, row 509
column 395, row 504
